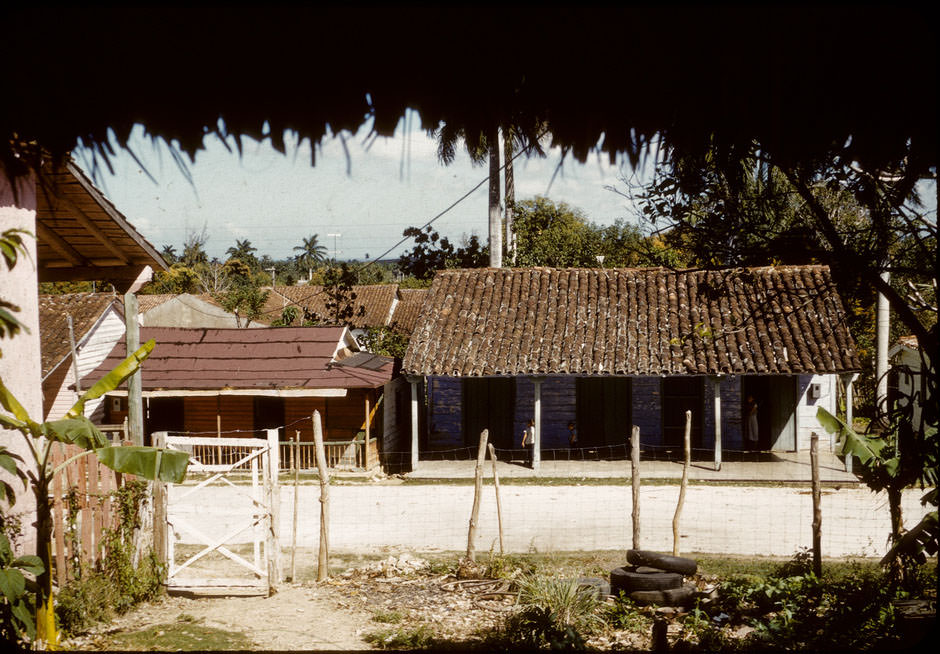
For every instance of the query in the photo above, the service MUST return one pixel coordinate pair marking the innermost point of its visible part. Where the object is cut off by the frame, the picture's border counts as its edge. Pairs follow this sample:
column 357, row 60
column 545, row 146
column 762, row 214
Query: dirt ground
column 385, row 596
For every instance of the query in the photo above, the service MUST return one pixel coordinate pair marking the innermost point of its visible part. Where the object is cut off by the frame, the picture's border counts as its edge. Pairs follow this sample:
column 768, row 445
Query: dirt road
column 368, row 517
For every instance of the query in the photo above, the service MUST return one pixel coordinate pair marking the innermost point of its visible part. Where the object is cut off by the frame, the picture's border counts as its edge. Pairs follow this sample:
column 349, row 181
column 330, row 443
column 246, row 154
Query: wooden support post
column 323, row 560
column 159, row 508
column 817, row 508
column 274, row 457
column 683, row 484
column 218, row 428
column 849, row 412
column 635, row 481
column 414, row 421
column 537, row 445
column 716, row 383
column 477, row 491
column 78, row 381
column 499, row 508
column 365, row 458
column 295, row 464
column 135, row 407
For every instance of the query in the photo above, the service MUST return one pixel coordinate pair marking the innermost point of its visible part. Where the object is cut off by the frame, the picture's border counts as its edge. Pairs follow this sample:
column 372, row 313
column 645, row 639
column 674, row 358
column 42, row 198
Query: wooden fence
column 78, row 534
column 340, row 455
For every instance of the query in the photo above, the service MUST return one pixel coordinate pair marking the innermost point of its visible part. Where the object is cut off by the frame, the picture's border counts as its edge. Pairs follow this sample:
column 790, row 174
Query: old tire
column 681, row 596
column 679, row 564
column 628, row 580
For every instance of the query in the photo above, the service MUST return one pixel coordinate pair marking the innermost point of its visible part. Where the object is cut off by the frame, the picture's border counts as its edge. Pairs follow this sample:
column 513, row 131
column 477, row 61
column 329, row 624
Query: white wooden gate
column 221, row 536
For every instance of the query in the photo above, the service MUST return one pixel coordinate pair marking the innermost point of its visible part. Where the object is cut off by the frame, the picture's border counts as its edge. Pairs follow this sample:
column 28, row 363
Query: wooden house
column 243, row 381
column 611, row 348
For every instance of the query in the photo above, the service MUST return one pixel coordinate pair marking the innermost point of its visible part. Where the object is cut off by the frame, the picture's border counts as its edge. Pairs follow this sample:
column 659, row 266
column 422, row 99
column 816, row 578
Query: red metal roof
column 279, row 358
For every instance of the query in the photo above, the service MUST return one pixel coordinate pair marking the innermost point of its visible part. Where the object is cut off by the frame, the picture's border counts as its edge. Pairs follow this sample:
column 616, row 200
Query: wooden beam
column 57, row 243
column 88, row 272
column 83, row 219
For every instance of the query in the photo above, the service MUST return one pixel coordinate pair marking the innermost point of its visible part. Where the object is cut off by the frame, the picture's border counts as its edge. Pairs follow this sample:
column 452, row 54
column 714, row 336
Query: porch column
column 414, row 420
column 537, row 444
column 716, row 387
column 849, row 382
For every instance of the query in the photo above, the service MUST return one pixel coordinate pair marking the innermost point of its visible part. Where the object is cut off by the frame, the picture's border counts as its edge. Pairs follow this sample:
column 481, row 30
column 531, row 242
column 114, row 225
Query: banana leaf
column 863, row 447
column 113, row 379
column 147, row 462
column 80, row 431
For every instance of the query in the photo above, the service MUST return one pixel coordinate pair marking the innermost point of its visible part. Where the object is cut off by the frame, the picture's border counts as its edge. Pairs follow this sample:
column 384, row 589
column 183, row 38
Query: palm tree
column 169, row 254
column 311, row 253
column 244, row 251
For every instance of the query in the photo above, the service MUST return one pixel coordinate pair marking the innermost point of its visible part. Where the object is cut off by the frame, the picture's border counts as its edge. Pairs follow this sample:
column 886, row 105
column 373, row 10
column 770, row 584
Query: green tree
column 168, row 252
column 433, row 252
column 194, row 249
column 310, row 254
column 243, row 299
column 244, row 251
column 556, row 235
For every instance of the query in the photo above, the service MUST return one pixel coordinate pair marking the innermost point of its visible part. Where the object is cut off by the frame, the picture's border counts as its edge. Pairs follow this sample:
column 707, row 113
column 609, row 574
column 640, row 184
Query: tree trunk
column 510, row 195
column 496, row 227
column 896, row 571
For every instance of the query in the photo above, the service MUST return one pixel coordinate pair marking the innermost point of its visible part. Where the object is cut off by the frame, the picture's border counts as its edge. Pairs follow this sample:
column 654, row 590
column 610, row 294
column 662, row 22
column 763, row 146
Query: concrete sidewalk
column 777, row 466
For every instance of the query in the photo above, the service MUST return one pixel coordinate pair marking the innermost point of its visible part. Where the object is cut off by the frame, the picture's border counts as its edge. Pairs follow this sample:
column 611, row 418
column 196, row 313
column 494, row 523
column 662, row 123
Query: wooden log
column 105, row 475
column 683, row 484
column 477, row 491
column 323, row 560
column 58, row 518
column 85, row 512
column 817, row 504
column 159, row 509
column 295, row 464
column 94, row 508
column 635, row 483
column 274, row 561
column 499, row 508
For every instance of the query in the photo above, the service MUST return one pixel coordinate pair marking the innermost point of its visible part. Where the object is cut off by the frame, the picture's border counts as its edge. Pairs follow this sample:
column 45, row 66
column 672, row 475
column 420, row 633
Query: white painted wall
column 806, row 406
column 92, row 350
column 21, row 365
column 910, row 379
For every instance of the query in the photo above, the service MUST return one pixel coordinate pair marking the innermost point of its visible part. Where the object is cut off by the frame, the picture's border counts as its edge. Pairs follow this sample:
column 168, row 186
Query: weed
column 388, row 617
column 180, row 636
column 419, row 637
column 624, row 615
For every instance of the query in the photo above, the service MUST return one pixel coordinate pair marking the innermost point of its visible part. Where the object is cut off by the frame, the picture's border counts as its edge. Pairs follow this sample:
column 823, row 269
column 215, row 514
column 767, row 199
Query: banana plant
column 893, row 460
column 74, row 428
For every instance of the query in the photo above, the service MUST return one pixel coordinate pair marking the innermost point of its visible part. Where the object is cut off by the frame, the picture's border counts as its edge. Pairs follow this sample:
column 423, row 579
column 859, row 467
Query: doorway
column 681, row 394
column 603, row 410
column 776, row 406
column 489, row 403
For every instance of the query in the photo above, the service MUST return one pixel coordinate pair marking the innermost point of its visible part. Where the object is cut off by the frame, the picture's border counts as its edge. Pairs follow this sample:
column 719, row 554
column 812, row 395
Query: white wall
column 21, row 365
column 92, row 350
column 806, row 406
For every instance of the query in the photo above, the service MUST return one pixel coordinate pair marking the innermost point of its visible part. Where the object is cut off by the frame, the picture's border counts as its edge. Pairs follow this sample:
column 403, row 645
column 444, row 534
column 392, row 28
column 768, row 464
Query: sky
column 358, row 205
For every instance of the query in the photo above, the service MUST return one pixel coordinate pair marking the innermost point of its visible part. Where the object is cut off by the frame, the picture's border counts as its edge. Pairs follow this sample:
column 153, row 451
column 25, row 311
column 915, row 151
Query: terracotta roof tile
column 408, row 309
column 376, row 302
column 653, row 321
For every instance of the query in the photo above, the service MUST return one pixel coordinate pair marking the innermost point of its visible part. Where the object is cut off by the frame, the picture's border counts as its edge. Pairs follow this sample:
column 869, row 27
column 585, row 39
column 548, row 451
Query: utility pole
column 273, row 272
column 335, row 251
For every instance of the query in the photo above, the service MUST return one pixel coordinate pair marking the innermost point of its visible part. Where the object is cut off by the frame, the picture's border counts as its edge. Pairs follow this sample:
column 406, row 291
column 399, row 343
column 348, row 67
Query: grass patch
column 417, row 637
column 388, row 617
column 186, row 634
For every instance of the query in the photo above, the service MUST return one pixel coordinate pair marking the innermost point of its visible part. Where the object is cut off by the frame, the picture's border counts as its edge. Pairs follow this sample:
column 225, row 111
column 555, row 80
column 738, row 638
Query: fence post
column 499, row 508
column 275, row 466
column 635, row 481
column 159, row 507
column 295, row 464
column 683, row 484
column 817, row 501
column 366, row 458
column 477, row 490
column 323, row 561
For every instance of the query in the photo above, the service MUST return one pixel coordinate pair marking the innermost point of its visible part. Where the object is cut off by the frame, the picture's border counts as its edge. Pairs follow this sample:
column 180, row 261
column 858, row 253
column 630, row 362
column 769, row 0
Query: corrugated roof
column 85, row 309
column 408, row 309
column 644, row 321
column 275, row 358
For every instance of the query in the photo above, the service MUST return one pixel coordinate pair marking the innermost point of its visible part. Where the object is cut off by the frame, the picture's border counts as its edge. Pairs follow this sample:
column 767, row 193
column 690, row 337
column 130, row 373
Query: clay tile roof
column 372, row 307
column 408, row 309
column 85, row 309
column 909, row 341
column 146, row 302
column 262, row 359
column 643, row 321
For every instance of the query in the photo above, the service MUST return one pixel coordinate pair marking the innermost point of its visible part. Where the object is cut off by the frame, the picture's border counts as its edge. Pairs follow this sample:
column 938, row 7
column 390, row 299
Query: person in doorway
column 528, row 440
column 751, row 431
column 572, row 435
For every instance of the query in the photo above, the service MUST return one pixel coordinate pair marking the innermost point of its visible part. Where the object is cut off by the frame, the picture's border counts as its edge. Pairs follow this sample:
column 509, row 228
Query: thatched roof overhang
column 802, row 80
column 631, row 322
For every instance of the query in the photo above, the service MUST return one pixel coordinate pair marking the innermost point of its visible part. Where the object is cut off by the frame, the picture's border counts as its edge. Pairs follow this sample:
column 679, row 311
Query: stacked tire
column 655, row 578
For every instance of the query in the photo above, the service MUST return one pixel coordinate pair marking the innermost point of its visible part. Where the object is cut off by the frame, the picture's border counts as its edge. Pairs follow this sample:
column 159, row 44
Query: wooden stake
column 817, row 508
column 159, row 509
column 499, row 509
column 323, row 561
column 635, row 481
column 295, row 464
column 477, row 491
column 685, row 481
